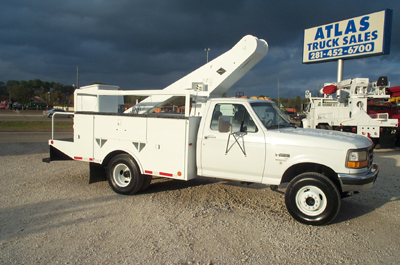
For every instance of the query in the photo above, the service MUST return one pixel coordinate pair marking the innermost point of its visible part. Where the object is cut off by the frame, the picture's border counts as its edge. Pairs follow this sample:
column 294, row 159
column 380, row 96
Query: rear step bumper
column 56, row 155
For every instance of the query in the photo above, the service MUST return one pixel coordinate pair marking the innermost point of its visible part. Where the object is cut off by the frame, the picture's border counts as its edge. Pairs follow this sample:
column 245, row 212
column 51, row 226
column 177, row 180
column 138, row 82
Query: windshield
column 270, row 115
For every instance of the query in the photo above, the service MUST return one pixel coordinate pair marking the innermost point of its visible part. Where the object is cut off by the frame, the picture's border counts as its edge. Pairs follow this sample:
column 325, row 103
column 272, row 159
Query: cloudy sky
column 150, row 44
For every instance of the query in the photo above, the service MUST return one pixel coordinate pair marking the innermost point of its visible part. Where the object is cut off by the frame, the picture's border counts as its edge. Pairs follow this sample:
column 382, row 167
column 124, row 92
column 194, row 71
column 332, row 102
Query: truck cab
column 261, row 144
column 253, row 141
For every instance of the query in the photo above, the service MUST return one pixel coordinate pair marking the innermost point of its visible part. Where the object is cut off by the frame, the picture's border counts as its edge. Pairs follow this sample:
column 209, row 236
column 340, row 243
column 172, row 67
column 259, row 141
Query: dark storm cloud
column 150, row 44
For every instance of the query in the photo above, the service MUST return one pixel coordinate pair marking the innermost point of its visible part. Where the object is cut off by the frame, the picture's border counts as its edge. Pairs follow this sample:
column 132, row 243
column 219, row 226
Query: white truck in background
column 344, row 107
column 247, row 140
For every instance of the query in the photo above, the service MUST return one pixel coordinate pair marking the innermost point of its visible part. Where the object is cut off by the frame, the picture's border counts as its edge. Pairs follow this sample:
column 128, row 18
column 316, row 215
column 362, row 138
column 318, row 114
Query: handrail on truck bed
column 52, row 121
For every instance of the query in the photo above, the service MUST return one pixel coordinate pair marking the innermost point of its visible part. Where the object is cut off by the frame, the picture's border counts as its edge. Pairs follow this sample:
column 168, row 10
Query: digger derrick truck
column 344, row 107
column 246, row 140
column 391, row 107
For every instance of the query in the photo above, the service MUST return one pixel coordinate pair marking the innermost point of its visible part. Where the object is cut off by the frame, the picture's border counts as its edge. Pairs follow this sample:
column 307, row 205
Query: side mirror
column 224, row 124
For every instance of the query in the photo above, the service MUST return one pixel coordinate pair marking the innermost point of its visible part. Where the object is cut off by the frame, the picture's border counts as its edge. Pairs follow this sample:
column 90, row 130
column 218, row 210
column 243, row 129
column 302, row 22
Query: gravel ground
column 50, row 214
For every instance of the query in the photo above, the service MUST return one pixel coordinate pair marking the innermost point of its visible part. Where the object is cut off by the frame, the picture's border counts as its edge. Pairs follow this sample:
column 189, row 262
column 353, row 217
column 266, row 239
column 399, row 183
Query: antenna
column 279, row 105
column 279, row 102
column 77, row 76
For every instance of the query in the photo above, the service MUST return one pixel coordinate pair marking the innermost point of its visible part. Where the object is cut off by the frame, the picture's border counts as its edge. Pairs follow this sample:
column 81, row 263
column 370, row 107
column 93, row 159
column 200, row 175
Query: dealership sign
column 361, row 36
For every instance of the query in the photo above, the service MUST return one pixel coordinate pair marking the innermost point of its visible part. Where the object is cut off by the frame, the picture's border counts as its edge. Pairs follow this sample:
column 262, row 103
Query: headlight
column 357, row 159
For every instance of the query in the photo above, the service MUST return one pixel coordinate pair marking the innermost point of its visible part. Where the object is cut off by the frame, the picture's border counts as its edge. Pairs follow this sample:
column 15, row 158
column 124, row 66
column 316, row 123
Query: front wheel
column 313, row 199
column 123, row 175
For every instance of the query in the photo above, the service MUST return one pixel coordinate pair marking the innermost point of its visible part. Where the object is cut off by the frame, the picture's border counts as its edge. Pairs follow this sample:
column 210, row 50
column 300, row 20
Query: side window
column 240, row 119
column 226, row 108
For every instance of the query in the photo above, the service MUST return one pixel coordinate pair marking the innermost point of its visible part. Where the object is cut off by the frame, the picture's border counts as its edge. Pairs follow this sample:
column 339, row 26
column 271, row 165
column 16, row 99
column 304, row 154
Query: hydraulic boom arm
column 215, row 77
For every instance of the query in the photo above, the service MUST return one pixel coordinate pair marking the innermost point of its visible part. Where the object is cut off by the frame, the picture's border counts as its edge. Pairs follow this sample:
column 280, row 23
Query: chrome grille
column 370, row 156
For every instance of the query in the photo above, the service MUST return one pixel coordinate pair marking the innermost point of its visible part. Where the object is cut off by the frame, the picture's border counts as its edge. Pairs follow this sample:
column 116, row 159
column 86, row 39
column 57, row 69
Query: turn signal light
column 357, row 164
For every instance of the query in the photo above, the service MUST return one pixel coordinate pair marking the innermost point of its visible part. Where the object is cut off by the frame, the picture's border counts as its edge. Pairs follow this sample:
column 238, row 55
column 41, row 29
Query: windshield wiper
column 277, row 126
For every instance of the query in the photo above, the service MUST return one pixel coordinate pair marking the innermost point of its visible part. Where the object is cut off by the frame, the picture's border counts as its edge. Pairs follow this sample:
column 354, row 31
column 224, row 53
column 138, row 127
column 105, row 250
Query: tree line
column 292, row 103
column 24, row 92
column 54, row 93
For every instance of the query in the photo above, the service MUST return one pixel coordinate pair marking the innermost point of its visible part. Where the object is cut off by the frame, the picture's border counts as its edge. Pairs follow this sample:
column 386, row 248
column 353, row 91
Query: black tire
column 123, row 175
column 313, row 199
column 146, row 182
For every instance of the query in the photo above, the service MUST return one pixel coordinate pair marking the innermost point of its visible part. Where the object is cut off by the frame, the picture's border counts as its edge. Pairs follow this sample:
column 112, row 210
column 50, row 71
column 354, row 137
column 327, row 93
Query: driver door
column 241, row 159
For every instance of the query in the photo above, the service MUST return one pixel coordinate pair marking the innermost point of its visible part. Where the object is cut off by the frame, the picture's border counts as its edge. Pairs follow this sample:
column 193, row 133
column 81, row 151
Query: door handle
column 209, row 136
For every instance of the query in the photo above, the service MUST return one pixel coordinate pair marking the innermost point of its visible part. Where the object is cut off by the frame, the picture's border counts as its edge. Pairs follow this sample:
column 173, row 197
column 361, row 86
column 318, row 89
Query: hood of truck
column 317, row 138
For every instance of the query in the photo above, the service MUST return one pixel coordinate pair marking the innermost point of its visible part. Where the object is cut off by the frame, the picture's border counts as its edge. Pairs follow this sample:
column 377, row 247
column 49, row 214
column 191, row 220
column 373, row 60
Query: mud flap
column 97, row 173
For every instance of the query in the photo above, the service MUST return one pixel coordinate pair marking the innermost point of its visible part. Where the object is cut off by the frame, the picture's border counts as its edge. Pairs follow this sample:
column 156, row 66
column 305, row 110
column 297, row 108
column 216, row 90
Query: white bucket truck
column 246, row 140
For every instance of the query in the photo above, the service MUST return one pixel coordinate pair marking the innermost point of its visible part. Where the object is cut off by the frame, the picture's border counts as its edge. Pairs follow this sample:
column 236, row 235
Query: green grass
column 35, row 125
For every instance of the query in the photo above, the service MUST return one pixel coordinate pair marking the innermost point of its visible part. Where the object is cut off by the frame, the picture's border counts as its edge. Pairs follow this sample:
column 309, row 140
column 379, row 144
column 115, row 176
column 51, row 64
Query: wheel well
column 111, row 155
column 324, row 126
column 298, row 169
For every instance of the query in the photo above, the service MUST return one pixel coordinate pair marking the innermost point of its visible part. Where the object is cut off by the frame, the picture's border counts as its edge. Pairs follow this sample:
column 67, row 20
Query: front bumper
column 359, row 182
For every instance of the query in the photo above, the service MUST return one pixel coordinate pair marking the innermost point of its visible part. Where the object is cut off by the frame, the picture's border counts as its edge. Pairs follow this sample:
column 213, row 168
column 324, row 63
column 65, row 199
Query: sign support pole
column 339, row 70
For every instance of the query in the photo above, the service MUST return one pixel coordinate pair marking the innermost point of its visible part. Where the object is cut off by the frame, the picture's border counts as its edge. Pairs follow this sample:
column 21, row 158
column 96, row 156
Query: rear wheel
column 312, row 198
column 123, row 175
